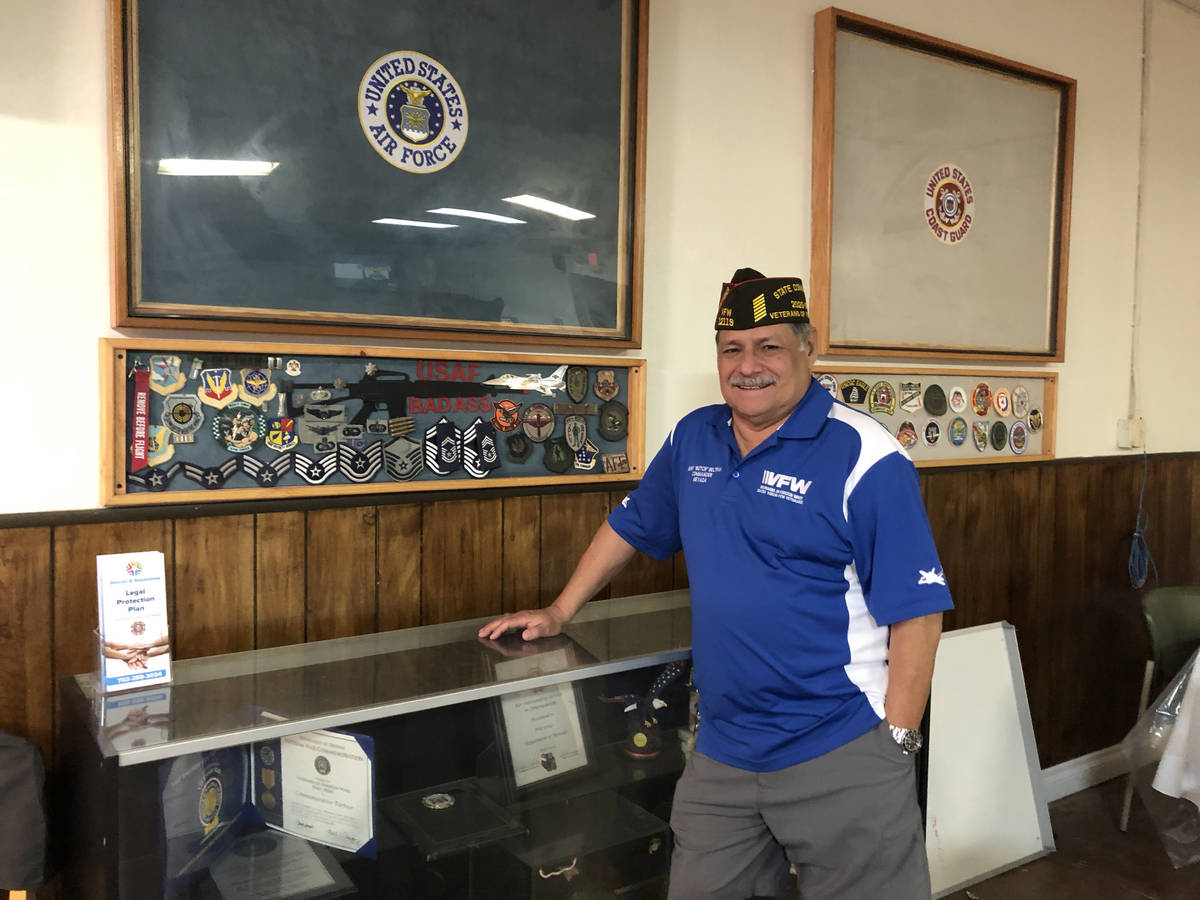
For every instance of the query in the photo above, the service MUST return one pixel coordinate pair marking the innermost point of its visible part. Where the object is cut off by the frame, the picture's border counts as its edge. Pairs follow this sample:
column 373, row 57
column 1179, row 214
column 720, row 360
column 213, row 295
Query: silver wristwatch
column 909, row 739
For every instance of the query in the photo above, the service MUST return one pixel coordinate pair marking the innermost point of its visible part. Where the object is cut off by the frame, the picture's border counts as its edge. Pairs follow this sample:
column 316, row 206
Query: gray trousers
column 847, row 820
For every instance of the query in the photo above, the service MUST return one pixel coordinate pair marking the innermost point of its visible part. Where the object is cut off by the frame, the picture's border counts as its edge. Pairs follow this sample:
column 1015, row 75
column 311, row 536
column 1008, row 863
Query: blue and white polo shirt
column 799, row 556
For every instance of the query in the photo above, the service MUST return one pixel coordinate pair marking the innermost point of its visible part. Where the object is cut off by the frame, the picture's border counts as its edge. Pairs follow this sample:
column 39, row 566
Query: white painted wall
column 728, row 168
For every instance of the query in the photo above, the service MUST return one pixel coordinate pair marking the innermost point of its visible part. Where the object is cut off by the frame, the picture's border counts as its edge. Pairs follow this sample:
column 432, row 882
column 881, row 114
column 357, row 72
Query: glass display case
column 416, row 763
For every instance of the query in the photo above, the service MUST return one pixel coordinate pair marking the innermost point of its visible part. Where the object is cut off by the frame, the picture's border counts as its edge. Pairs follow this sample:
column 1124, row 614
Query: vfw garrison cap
column 750, row 300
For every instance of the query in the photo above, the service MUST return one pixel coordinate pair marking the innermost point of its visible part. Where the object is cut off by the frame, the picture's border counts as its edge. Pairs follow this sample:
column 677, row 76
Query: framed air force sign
column 467, row 169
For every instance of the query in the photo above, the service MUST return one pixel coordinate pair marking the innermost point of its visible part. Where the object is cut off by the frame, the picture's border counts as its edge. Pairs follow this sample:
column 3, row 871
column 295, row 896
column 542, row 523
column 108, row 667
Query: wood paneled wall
column 1044, row 546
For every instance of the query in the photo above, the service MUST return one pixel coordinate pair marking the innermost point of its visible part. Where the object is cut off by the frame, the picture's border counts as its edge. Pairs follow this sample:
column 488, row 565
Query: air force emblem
column 412, row 111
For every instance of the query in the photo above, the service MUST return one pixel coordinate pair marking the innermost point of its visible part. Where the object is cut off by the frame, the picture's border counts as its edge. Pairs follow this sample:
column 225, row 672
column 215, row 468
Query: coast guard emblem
column 949, row 204
column 412, row 111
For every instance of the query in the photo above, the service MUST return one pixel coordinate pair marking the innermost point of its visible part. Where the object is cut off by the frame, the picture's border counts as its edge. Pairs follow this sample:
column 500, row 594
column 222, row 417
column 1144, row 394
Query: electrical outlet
column 1131, row 433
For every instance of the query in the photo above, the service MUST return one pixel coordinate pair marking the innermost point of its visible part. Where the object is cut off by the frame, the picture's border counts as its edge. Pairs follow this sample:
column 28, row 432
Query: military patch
column 211, row 477
column 1018, row 438
column 906, row 434
column 480, row 454
column 576, row 409
column 828, row 382
column 267, row 474
column 256, row 387
column 1020, row 401
column 585, row 456
column 292, row 367
column 402, row 459
column 606, row 386
column 400, row 425
column 1035, row 420
column 557, row 456
column 165, row 377
column 615, row 463
column 575, row 431
column 281, row 434
column 182, row 413
column 1002, row 401
column 159, row 448
column 935, row 400
column 360, row 465
column 958, row 431
column 854, row 391
column 412, row 111
column 883, row 399
column 519, row 447
column 999, row 435
column 443, row 447
column 576, row 383
column 216, row 388
column 238, row 426
column 537, row 421
column 506, row 415
column 910, row 395
column 154, row 478
column 933, row 433
column 979, row 435
column 313, row 471
column 981, row 399
column 614, row 421
column 958, row 399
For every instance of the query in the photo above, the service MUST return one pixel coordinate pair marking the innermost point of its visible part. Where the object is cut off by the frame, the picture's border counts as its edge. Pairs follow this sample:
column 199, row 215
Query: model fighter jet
column 546, row 384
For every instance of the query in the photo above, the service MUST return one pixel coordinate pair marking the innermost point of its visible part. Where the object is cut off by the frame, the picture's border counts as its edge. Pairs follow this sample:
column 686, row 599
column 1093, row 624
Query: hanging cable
column 1141, row 563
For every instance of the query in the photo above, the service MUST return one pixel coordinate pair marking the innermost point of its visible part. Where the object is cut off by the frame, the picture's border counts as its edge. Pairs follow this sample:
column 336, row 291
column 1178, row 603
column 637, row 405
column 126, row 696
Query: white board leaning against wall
column 986, row 807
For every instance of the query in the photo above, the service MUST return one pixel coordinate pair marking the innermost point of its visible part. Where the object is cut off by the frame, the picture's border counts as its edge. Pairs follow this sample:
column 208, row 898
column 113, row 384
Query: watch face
column 911, row 742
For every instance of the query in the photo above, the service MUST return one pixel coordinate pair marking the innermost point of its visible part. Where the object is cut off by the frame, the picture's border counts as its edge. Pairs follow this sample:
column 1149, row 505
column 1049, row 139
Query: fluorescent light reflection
column 549, row 206
column 474, row 214
column 413, row 224
column 215, row 167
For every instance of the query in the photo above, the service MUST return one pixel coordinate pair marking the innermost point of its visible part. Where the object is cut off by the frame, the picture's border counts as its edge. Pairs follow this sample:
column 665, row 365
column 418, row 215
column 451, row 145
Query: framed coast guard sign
column 466, row 169
column 941, row 197
column 194, row 421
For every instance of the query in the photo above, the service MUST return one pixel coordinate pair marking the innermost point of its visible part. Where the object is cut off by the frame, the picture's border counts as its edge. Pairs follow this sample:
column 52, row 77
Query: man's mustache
column 750, row 381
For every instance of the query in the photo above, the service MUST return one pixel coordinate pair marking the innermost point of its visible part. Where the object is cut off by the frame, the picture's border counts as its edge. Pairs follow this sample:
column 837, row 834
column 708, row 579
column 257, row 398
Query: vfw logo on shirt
column 784, row 487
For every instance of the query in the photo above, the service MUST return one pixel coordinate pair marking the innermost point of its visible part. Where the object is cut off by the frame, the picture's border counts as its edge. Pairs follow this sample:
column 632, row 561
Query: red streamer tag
column 141, row 419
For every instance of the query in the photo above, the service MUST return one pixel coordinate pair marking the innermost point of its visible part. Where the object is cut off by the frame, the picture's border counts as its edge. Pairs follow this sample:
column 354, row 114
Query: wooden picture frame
column 381, row 138
column 201, row 421
column 1028, row 398
column 941, row 197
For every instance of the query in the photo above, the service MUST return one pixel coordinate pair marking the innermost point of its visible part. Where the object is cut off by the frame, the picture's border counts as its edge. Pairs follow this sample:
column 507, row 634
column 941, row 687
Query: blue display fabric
column 799, row 556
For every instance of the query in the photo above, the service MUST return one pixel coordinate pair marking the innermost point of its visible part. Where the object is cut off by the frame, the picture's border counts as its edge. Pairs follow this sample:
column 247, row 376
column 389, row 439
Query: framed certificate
column 467, row 170
column 941, row 197
column 542, row 732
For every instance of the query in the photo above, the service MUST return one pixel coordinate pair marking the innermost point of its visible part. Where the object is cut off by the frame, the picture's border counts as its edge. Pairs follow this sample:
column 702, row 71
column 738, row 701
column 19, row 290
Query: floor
column 1094, row 859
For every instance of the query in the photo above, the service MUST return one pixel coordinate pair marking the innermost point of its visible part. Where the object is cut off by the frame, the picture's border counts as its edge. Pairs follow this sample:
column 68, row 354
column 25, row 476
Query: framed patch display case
column 954, row 417
column 466, row 170
column 941, row 197
column 191, row 421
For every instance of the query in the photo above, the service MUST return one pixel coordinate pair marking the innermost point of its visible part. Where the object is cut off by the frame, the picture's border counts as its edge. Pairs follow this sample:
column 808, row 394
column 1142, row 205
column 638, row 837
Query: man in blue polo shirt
column 817, row 598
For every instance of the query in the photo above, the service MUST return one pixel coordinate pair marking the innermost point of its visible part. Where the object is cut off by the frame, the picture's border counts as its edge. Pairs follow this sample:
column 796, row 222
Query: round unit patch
column 412, row 111
column 1020, row 401
column 958, row 431
column 999, row 435
column 1018, row 438
column 958, row 399
column 949, row 204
